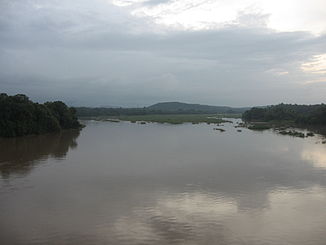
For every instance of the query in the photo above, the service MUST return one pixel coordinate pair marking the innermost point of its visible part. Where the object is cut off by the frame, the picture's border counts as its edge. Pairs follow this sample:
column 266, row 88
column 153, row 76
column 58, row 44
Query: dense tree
column 20, row 116
column 301, row 114
column 66, row 116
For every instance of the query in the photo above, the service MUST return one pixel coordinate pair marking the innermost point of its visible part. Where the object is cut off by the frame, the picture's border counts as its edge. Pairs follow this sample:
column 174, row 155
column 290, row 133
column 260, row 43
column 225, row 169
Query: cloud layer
column 102, row 53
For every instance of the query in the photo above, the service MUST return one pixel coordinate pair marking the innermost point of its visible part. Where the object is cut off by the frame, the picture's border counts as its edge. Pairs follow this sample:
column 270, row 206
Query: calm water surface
column 124, row 183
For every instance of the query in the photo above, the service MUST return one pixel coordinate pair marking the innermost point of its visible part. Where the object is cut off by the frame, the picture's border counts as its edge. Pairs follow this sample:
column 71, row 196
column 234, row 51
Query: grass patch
column 176, row 118
column 260, row 126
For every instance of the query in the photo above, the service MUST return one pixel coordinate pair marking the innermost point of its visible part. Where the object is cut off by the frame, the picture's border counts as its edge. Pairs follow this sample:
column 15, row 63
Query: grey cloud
column 99, row 54
column 155, row 2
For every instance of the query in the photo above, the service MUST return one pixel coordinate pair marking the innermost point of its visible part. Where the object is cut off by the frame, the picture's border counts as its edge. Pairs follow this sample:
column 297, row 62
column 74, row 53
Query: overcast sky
column 139, row 52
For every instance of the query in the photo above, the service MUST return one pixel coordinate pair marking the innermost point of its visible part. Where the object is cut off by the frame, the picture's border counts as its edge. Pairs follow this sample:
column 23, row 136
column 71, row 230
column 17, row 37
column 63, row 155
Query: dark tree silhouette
column 301, row 114
column 19, row 116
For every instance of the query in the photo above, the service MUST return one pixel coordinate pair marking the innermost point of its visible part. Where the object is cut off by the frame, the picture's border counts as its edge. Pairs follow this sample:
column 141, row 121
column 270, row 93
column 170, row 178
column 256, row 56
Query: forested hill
column 301, row 114
column 178, row 106
column 159, row 108
column 20, row 116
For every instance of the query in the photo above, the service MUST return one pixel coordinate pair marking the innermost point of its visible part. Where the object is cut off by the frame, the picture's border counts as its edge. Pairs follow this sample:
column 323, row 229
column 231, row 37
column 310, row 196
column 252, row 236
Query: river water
column 125, row 183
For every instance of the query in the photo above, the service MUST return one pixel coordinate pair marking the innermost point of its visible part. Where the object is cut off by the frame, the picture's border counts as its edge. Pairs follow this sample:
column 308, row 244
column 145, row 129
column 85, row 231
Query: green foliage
column 299, row 114
column 20, row 116
column 65, row 116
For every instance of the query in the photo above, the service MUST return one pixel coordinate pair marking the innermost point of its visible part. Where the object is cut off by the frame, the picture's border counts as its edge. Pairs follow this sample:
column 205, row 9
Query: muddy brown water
column 125, row 183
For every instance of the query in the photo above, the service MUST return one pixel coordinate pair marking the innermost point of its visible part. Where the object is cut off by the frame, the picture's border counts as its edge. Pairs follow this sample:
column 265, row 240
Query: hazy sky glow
column 138, row 52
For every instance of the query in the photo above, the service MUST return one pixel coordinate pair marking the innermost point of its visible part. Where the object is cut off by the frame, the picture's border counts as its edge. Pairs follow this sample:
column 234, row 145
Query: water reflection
column 20, row 155
column 205, row 218
column 315, row 156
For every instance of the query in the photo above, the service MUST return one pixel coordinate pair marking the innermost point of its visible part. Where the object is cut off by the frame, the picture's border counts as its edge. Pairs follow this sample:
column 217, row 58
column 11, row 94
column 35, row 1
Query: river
column 126, row 183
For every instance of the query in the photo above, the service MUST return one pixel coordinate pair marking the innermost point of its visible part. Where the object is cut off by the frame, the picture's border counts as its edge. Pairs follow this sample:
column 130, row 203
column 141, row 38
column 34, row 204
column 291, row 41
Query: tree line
column 103, row 111
column 300, row 114
column 20, row 116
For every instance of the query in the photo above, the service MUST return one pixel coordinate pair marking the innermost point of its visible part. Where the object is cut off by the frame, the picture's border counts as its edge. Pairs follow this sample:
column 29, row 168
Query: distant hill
column 159, row 108
column 196, row 108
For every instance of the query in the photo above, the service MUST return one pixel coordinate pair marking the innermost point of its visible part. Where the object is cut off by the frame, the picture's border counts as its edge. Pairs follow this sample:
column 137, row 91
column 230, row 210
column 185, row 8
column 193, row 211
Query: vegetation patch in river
column 292, row 133
column 219, row 129
column 173, row 118
column 260, row 126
